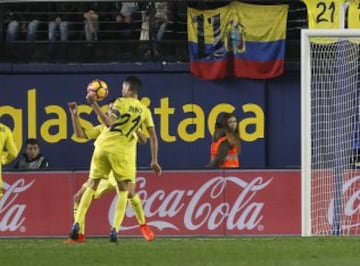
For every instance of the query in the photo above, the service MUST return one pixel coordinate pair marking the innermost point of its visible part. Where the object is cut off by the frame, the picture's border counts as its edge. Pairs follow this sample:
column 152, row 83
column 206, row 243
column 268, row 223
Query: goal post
column 330, row 119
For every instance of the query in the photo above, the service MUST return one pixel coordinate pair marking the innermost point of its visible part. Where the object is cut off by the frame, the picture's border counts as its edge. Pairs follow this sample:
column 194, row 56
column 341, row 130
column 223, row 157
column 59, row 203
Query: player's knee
column 131, row 189
column 93, row 184
column 131, row 194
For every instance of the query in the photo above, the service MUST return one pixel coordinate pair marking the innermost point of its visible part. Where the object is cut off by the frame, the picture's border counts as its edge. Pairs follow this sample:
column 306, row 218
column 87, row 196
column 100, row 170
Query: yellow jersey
column 94, row 132
column 129, row 114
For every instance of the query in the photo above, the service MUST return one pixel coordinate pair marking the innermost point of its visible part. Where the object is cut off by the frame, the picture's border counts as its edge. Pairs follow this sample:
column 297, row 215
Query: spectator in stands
column 11, row 21
column 126, row 17
column 24, row 18
column 32, row 158
column 226, row 143
column 178, row 10
column 61, row 14
column 160, row 21
column 145, row 27
column 91, row 20
column 157, row 19
column 118, row 20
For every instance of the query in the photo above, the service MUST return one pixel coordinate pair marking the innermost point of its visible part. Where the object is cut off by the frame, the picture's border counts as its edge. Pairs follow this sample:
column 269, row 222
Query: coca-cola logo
column 348, row 202
column 11, row 213
column 198, row 207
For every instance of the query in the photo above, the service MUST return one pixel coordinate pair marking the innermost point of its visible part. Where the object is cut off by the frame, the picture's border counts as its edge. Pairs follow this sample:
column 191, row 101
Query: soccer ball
column 100, row 87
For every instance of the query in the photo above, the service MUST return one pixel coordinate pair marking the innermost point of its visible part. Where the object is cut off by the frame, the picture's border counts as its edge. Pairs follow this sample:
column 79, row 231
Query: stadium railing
column 173, row 48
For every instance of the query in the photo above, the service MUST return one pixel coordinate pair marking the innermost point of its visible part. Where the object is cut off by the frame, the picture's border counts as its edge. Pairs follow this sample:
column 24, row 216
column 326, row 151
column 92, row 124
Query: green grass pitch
column 257, row 251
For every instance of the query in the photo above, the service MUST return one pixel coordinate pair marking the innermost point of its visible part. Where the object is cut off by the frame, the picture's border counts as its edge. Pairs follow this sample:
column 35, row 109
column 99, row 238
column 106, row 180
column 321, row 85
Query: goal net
column 330, row 132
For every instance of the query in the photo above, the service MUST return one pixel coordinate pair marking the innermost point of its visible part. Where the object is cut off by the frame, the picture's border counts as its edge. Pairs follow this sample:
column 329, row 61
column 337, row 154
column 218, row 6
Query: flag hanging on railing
column 241, row 40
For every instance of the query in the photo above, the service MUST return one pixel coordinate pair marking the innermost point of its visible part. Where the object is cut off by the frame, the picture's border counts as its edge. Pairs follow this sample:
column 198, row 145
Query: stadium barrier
column 177, row 203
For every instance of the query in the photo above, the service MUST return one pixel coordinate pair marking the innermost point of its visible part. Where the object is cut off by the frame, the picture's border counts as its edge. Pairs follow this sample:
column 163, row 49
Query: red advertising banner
column 177, row 203
column 330, row 199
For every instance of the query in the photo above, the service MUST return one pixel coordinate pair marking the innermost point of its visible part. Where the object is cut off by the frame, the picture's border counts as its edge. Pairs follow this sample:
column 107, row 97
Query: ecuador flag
column 242, row 40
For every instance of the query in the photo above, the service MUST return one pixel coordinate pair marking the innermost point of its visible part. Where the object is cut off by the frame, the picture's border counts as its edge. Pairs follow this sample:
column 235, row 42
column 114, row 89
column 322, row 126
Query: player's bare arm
column 142, row 139
column 91, row 99
column 154, row 150
column 79, row 131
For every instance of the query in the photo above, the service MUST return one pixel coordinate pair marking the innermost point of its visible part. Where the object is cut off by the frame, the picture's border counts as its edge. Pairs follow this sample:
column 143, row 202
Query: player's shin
column 120, row 209
column 84, row 204
column 136, row 206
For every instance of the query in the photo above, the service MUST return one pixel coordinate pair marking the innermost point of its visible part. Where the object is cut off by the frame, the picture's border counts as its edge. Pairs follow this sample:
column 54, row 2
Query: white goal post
column 330, row 132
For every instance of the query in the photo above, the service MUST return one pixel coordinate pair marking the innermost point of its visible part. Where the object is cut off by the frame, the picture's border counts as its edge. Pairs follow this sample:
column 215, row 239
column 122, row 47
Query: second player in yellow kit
column 109, row 184
column 114, row 149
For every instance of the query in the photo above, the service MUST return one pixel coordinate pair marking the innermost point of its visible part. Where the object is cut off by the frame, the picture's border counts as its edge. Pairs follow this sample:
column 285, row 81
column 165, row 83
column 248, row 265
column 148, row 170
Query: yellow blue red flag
column 241, row 40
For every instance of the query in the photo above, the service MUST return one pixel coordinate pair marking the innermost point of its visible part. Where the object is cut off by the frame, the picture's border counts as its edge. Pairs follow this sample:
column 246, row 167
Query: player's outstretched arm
column 142, row 139
column 75, row 121
column 91, row 99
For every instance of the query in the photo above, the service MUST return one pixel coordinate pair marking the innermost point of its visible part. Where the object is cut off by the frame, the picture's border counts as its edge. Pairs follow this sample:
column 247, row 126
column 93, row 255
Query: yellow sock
column 120, row 209
column 84, row 205
column 136, row 206
column 82, row 227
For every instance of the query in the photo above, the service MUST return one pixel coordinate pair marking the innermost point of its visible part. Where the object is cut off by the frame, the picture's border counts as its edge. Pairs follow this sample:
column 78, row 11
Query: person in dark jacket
column 32, row 158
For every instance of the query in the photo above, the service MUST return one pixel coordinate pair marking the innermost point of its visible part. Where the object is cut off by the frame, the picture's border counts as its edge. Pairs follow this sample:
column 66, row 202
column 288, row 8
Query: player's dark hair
column 32, row 141
column 135, row 83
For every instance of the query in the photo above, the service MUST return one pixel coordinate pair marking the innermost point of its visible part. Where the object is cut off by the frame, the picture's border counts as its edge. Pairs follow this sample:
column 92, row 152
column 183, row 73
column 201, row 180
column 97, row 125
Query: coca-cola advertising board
column 333, row 203
column 177, row 203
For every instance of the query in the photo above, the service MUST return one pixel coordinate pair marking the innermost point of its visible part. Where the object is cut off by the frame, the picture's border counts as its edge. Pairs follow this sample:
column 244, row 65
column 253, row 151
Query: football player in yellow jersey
column 107, row 185
column 114, row 151
column 8, row 150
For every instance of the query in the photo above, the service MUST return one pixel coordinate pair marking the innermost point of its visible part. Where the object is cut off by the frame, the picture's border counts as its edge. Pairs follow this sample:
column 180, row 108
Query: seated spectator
column 160, row 21
column 61, row 14
column 32, row 158
column 91, row 20
column 155, row 15
column 11, row 21
column 117, row 22
column 126, row 17
column 155, row 22
column 145, row 27
column 179, row 17
column 24, row 18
